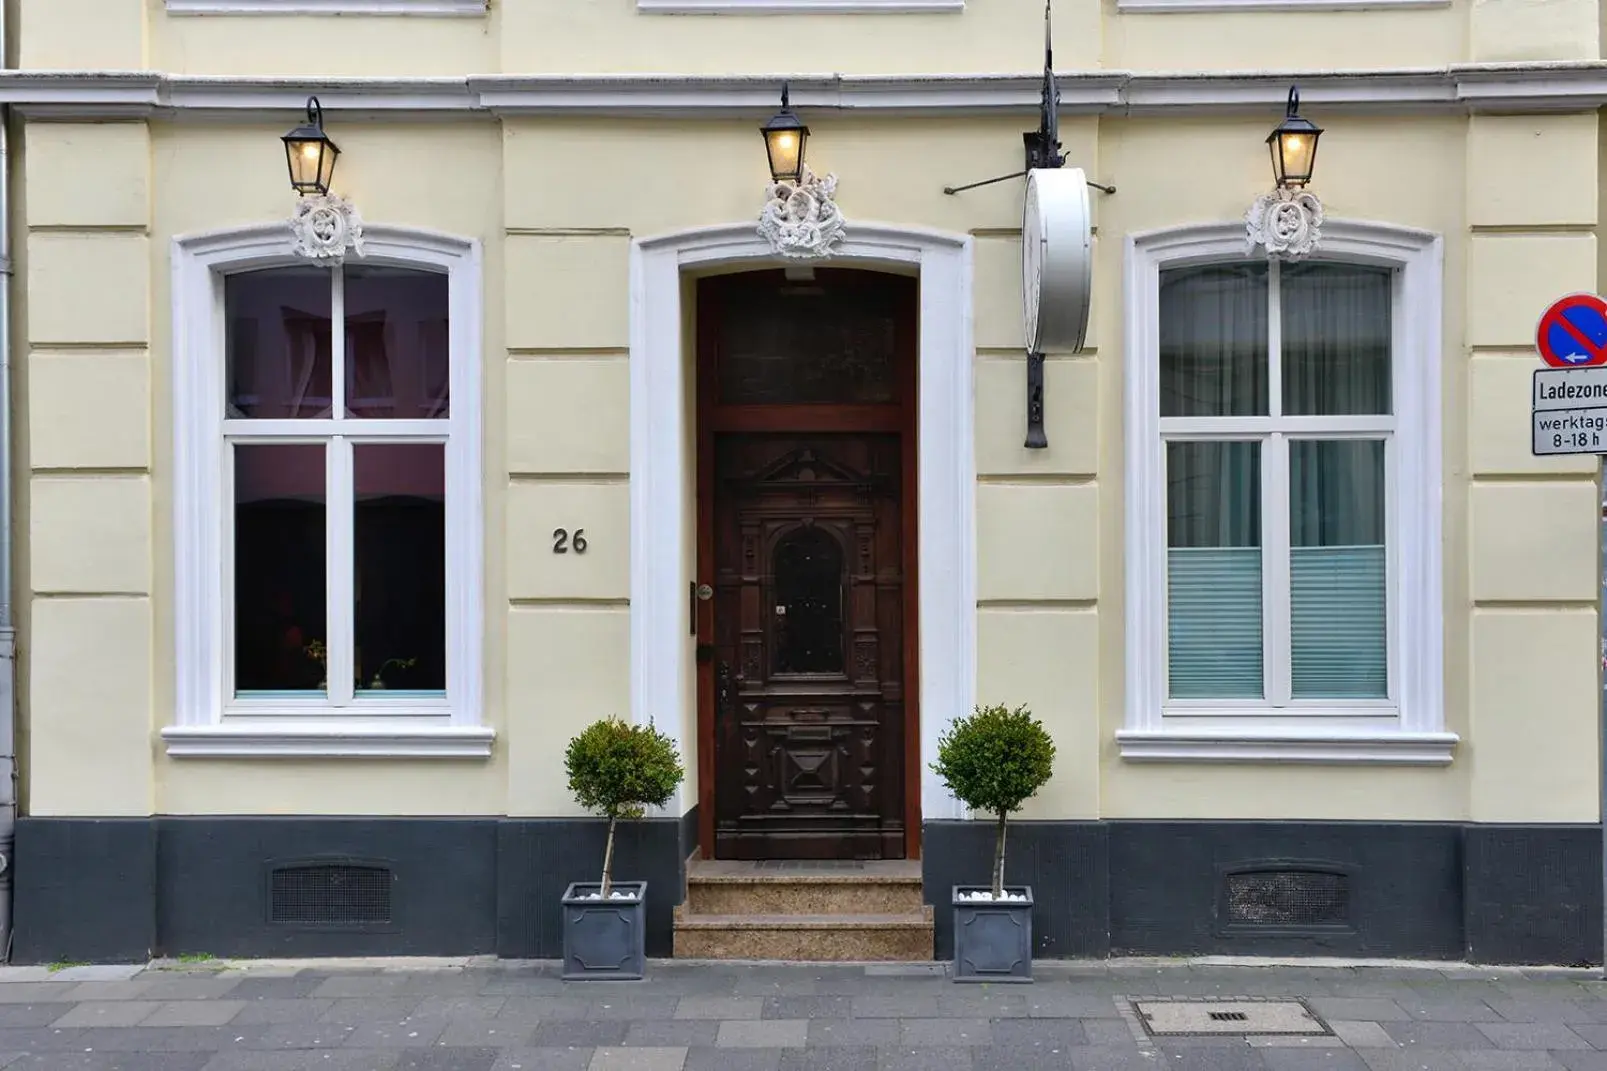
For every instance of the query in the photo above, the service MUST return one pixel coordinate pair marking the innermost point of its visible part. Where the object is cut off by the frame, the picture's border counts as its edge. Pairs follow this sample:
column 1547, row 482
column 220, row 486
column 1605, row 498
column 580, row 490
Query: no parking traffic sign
column 1573, row 332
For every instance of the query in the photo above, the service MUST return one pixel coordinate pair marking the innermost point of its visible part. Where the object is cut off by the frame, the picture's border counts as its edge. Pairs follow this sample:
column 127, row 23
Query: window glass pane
column 400, row 545
column 279, row 556
column 277, row 344
column 396, row 343
column 1336, row 339
column 1213, row 570
column 1337, row 570
column 1214, row 341
column 835, row 339
column 808, row 576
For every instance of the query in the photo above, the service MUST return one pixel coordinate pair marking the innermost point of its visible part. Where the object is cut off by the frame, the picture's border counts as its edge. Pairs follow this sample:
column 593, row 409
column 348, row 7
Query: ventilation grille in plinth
column 1287, row 899
column 330, row 894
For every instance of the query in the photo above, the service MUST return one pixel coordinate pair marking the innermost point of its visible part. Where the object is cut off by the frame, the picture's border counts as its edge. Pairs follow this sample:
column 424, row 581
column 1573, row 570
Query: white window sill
column 310, row 737
column 436, row 8
column 1314, row 744
column 1180, row 6
column 798, row 7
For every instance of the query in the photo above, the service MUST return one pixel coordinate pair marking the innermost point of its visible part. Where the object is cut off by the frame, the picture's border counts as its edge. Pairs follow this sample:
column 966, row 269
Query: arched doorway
column 806, row 418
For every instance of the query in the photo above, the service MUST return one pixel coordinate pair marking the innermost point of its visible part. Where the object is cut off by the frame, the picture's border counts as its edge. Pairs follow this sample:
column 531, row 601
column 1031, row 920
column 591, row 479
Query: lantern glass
column 312, row 164
column 785, row 148
column 784, row 139
column 310, row 154
column 1294, row 157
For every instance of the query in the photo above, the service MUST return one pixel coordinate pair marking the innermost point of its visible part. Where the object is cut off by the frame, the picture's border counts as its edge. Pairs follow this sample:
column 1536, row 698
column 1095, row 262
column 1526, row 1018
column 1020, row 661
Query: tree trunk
column 998, row 860
column 608, row 858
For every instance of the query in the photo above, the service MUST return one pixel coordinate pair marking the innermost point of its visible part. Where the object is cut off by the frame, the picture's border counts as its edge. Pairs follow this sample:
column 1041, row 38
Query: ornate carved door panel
column 808, row 612
column 806, row 449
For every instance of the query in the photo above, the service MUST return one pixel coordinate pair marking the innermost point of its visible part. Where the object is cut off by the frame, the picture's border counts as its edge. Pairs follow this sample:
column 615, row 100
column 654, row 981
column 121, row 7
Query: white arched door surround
column 662, row 510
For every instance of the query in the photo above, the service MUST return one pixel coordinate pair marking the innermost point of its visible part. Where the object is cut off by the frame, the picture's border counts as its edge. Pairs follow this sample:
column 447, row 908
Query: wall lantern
column 324, row 227
column 1294, row 146
column 800, row 218
column 1287, row 222
column 784, row 138
column 310, row 153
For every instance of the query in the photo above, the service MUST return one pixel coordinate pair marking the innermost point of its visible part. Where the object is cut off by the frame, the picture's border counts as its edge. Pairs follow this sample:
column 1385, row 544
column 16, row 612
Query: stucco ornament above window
column 1287, row 223
column 801, row 219
column 325, row 227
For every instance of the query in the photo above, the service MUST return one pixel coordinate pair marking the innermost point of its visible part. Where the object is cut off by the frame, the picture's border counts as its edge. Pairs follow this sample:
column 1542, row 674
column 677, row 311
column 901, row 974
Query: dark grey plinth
column 993, row 938
column 605, row 939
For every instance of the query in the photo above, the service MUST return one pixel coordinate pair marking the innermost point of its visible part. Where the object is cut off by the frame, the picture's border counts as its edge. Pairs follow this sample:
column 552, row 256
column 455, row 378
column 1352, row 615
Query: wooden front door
column 807, row 544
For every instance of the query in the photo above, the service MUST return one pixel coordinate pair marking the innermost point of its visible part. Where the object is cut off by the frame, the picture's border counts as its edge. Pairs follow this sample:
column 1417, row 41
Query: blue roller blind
column 1339, row 615
column 1214, row 622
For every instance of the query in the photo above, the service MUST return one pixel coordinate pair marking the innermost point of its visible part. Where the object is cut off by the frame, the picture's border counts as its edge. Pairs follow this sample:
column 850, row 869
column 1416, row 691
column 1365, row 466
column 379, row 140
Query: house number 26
column 562, row 541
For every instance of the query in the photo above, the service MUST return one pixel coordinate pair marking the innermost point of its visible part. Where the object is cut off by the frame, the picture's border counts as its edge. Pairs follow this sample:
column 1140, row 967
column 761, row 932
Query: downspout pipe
column 8, row 629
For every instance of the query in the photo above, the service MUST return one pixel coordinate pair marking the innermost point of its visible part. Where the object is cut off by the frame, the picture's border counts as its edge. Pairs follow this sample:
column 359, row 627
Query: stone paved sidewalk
column 486, row 1015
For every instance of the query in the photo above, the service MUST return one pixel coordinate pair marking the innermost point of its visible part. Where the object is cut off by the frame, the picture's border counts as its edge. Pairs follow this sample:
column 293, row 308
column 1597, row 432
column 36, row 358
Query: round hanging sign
column 1056, row 260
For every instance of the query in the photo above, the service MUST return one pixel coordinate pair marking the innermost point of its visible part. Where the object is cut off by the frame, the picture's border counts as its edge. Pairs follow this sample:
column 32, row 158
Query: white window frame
column 210, row 720
column 431, row 8
column 1410, row 726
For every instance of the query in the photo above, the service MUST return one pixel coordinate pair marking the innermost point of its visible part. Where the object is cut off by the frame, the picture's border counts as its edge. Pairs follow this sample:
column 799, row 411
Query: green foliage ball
column 618, row 770
column 996, row 759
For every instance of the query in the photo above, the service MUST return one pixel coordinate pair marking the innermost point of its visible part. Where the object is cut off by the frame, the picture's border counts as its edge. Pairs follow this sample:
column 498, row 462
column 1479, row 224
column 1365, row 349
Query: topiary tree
column 617, row 770
column 995, row 760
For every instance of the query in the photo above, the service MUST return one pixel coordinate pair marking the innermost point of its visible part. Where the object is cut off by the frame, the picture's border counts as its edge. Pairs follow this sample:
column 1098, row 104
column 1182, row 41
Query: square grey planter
column 993, row 938
column 605, row 939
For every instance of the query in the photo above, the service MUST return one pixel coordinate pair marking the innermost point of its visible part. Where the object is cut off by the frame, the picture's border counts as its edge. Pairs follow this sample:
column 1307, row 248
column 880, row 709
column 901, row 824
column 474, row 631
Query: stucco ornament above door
column 801, row 220
column 1286, row 223
column 1056, row 260
column 325, row 227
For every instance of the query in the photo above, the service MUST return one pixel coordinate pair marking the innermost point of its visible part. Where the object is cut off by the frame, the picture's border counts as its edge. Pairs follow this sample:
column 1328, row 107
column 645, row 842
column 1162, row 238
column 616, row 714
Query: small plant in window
column 617, row 771
column 994, row 761
column 401, row 664
column 318, row 653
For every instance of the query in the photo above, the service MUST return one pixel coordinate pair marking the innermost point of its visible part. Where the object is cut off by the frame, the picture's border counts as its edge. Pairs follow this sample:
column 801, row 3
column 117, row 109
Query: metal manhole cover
column 1164, row 1018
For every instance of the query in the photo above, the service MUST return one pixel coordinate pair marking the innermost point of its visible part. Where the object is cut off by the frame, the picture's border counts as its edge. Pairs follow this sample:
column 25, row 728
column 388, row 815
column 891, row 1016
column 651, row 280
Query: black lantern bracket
column 1042, row 145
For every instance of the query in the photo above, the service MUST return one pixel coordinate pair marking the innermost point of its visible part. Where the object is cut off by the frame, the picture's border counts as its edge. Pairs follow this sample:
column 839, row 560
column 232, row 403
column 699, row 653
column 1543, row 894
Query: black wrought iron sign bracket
column 1042, row 150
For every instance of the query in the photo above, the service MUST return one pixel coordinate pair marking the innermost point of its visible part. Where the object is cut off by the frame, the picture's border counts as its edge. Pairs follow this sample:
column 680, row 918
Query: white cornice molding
column 1513, row 87
column 1168, row 6
column 798, row 7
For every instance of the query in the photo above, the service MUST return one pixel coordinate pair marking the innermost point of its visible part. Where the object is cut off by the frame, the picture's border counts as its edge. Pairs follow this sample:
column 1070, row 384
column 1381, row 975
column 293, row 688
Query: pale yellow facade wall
column 91, row 535
column 84, row 495
column 226, row 176
column 1535, row 685
column 1358, row 177
column 88, row 174
column 1508, row 31
column 556, row 239
column 90, row 410
column 529, row 37
column 357, row 46
column 1532, row 677
column 1314, row 40
column 66, row 35
column 90, row 746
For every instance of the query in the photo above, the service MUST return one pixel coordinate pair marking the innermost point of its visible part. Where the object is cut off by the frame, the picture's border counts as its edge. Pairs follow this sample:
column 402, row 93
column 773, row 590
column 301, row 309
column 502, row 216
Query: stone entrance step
column 809, row 911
